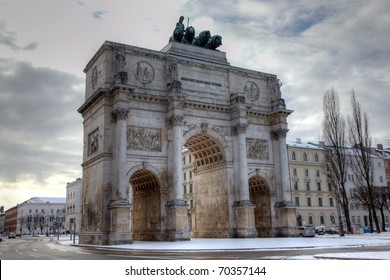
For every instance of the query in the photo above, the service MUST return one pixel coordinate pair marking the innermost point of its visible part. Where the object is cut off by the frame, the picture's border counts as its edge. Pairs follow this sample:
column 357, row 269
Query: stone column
column 244, row 209
column 177, row 208
column 280, row 135
column 121, row 115
column 285, row 210
column 120, row 216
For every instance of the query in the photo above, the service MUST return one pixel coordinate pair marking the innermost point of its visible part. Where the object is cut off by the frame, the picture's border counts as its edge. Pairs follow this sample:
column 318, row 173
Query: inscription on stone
column 257, row 148
column 201, row 82
column 144, row 139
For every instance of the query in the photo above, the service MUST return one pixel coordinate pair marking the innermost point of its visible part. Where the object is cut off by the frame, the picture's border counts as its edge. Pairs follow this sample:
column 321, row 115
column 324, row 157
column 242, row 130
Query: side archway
column 147, row 199
column 260, row 196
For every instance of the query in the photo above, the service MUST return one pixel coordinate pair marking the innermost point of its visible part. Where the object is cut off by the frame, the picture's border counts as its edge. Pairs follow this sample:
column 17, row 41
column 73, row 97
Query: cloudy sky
column 312, row 46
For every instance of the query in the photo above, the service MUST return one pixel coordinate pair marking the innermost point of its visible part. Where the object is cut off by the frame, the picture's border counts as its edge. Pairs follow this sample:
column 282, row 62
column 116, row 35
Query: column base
column 178, row 227
column 120, row 219
column 286, row 219
column 245, row 219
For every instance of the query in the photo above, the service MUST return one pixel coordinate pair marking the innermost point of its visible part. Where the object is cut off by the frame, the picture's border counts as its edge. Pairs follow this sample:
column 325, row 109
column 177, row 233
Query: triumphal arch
column 143, row 108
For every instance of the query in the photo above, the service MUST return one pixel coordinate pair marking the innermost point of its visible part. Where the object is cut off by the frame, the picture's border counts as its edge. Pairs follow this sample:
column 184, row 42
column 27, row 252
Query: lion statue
column 214, row 42
column 202, row 39
column 189, row 35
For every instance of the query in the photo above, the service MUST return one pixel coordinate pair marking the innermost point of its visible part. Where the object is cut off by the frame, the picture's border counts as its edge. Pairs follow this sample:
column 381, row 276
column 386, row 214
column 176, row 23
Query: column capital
column 239, row 128
column 174, row 120
column 120, row 113
column 280, row 133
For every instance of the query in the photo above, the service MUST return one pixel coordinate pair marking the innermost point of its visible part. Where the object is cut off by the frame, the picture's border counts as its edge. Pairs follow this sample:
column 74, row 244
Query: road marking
column 85, row 253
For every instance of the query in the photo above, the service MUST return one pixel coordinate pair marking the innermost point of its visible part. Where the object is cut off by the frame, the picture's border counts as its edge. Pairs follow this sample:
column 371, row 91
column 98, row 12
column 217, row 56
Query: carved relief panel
column 144, row 139
column 144, row 72
column 257, row 148
column 251, row 91
column 93, row 142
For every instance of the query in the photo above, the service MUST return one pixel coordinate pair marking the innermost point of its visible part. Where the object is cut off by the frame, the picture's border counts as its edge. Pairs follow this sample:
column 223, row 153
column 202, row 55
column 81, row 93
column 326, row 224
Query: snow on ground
column 325, row 241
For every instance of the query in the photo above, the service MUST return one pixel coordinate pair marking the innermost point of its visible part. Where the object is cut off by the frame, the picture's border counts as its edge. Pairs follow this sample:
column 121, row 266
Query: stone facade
column 312, row 195
column 142, row 107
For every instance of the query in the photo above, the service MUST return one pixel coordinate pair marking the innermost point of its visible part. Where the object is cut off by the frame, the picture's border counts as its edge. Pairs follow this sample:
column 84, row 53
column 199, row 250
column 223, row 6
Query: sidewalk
column 258, row 244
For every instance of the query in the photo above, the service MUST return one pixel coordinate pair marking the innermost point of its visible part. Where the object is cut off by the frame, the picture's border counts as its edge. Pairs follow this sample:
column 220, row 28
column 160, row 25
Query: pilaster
column 243, row 208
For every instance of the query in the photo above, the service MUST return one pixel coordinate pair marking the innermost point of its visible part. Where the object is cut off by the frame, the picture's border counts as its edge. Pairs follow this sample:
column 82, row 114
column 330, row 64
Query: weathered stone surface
column 142, row 107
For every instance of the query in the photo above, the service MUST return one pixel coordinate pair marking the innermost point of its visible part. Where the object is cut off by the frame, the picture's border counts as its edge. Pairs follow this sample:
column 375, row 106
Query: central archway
column 146, row 205
column 209, row 209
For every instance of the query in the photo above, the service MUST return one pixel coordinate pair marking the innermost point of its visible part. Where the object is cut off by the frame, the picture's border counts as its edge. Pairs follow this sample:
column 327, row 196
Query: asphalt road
column 44, row 248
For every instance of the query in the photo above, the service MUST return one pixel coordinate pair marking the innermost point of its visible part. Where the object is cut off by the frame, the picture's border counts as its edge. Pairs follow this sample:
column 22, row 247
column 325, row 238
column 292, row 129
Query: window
column 310, row 220
column 294, row 171
column 315, row 157
column 304, row 157
column 189, row 158
column 295, row 185
column 332, row 219
column 331, row 202
column 381, row 179
column 297, row 201
column 308, row 186
column 293, row 156
column 306, row 172
column 322, row 220
column 36, row 211
column 330, row 187
column 317, row 173
column 309, row 201
column 379, row 164
column 353, row 220
column 318, row 186
column 191, row 188
column 320, row 201
column 184, row 176
column 190, row 175
column 185, row 188
column 184, row 160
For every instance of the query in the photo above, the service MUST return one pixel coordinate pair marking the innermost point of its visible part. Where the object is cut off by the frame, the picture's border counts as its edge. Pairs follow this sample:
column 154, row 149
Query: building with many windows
column 41, row 215
column 11, row 219
column 311, row 193
column 73, row 205
column 358, row 211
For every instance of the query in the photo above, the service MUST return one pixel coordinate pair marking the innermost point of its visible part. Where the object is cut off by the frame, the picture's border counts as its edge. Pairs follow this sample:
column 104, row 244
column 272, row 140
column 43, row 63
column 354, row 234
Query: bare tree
column 360, row 139
column 381, row 198
column 334, row 133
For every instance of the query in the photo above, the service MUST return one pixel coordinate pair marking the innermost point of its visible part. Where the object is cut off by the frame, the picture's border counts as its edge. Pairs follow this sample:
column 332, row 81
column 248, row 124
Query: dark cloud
column 10, row 38
column 312, row 46
column 98, row 14
column 40, row 129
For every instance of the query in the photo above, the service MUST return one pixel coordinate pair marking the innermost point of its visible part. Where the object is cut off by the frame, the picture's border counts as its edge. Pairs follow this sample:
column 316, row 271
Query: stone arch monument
column 142, row 107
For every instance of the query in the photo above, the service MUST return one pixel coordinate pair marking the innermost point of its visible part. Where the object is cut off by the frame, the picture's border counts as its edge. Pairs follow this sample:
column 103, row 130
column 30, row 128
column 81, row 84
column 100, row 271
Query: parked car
column 305, row 231
column 320, row 230
column 11, row 235
column 331, row 231
column 1, row 237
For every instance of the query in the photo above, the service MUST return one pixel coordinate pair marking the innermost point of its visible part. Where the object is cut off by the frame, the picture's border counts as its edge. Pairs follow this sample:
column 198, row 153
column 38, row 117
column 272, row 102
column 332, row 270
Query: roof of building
column 46, row 200
column 307, row 145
